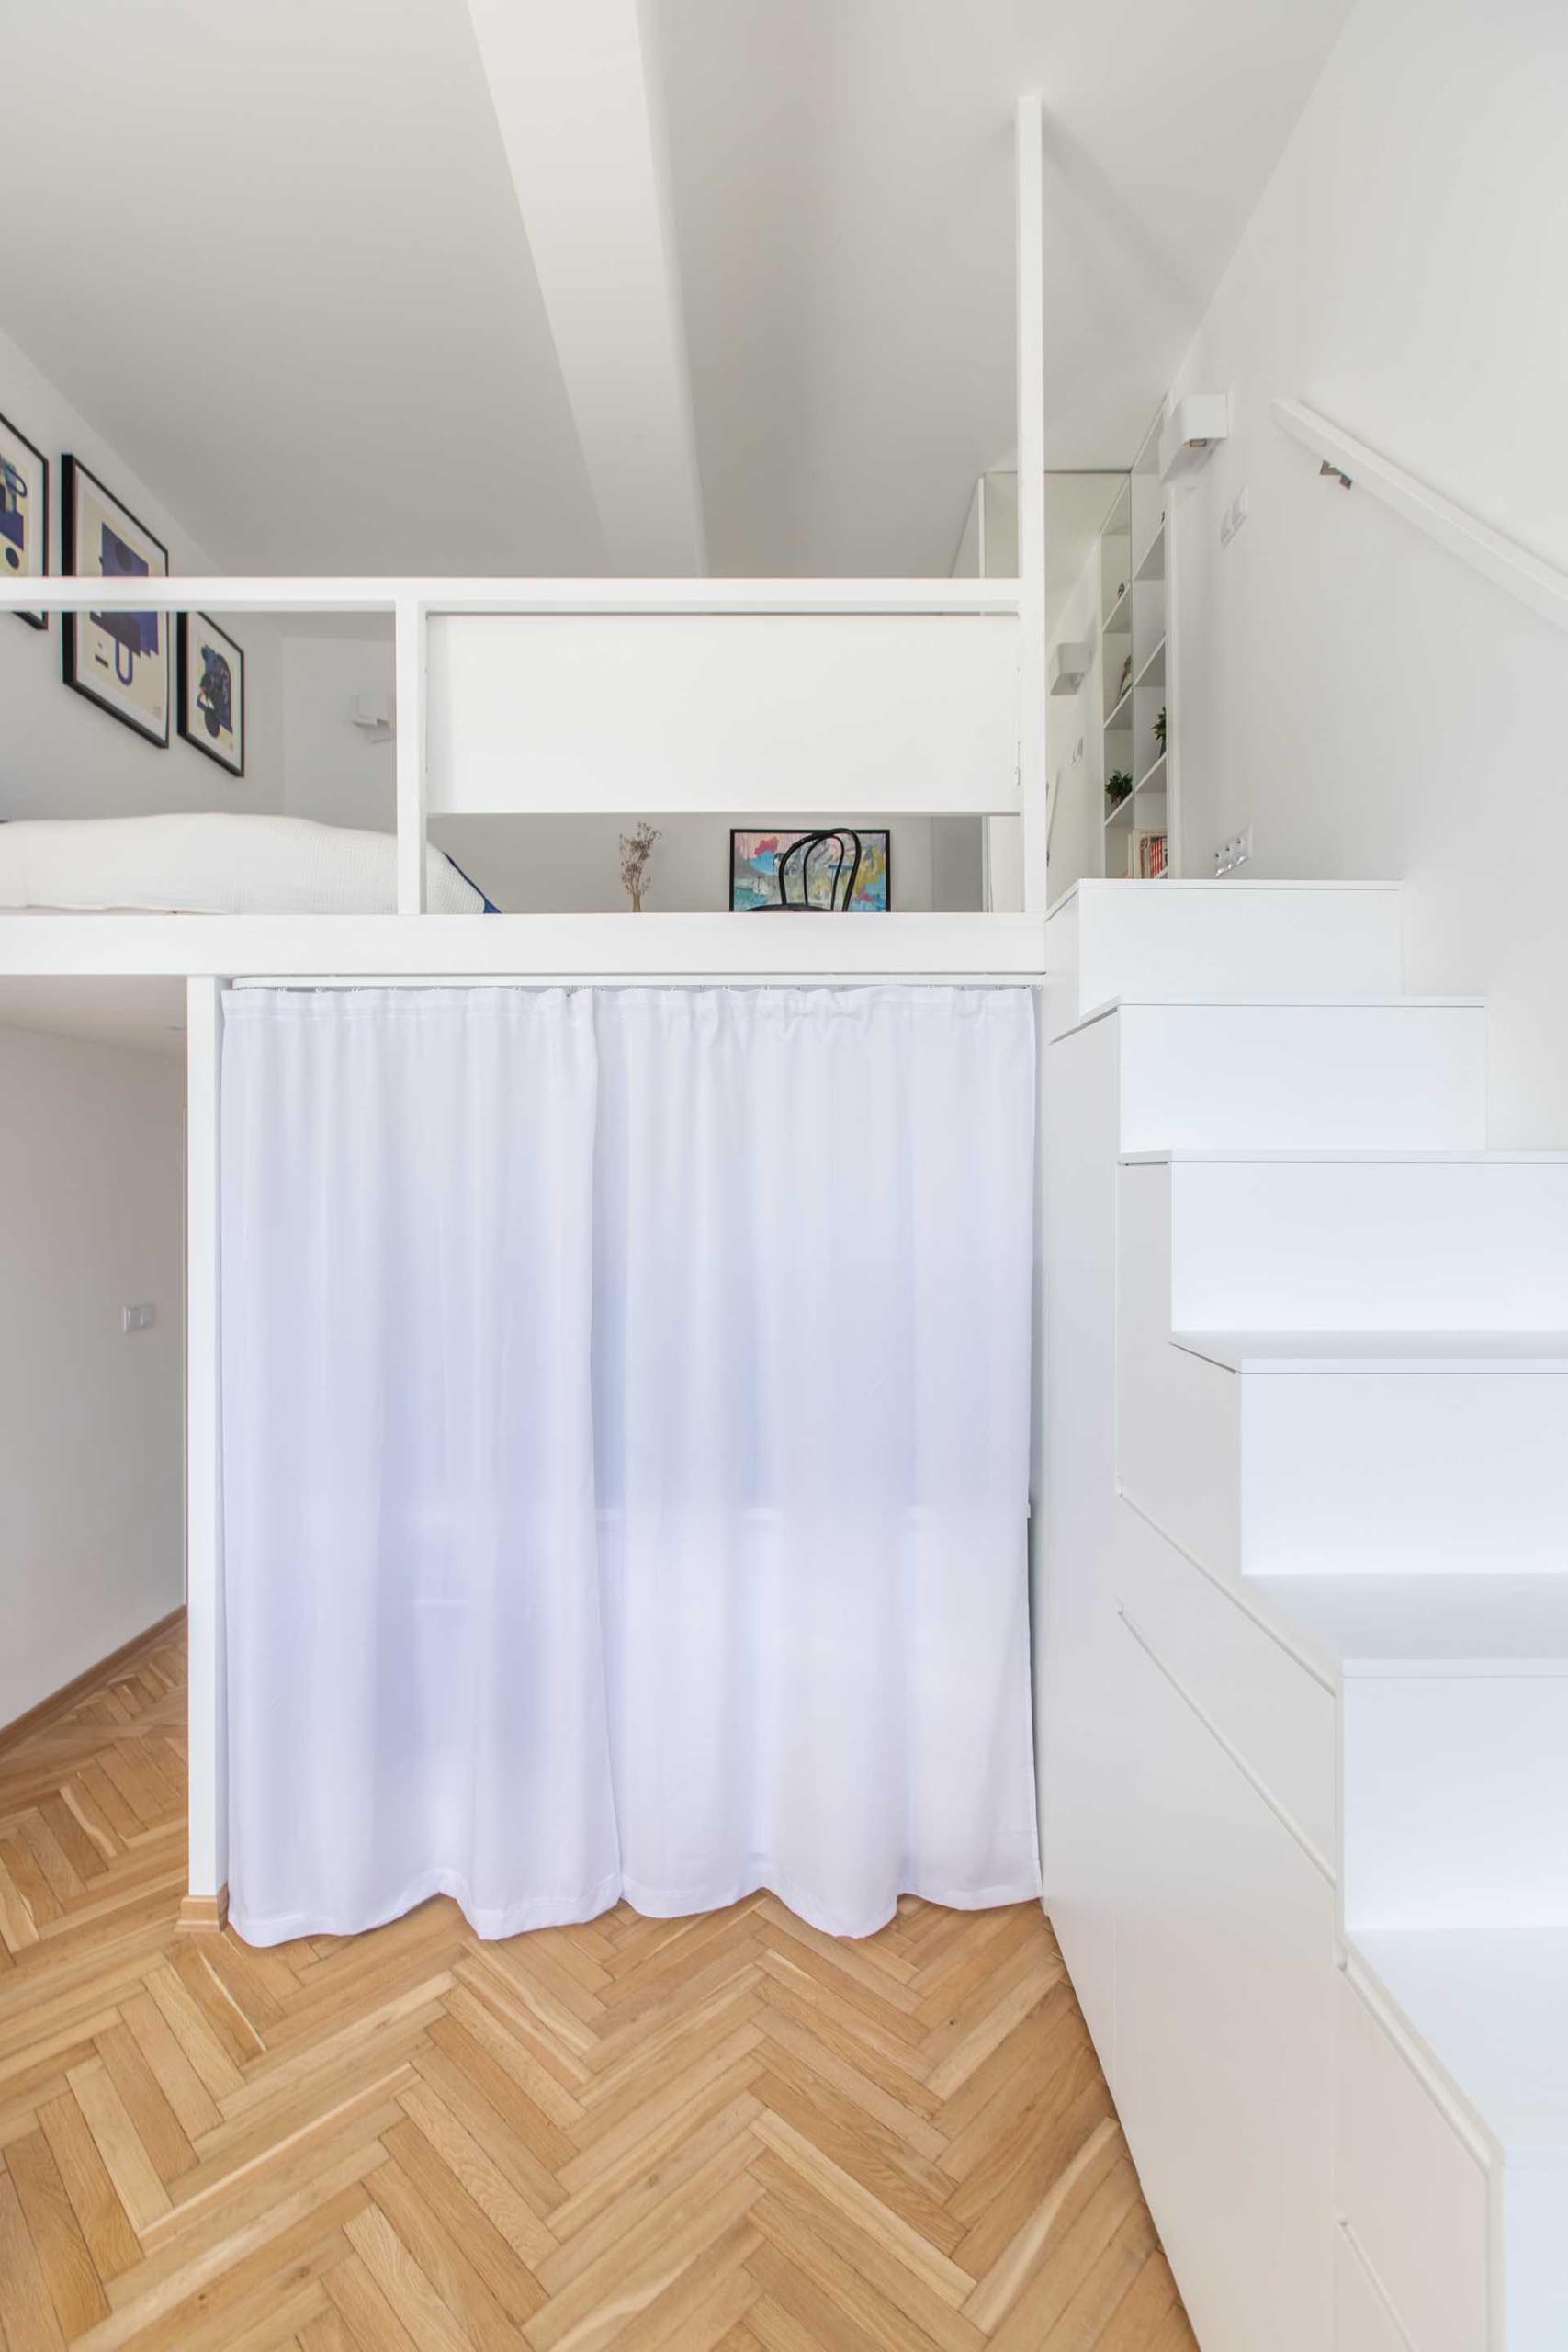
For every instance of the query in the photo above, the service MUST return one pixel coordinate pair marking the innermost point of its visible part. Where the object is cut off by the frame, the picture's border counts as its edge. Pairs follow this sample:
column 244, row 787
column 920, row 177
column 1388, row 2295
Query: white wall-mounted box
column 1069, row 665
column 1196, row 422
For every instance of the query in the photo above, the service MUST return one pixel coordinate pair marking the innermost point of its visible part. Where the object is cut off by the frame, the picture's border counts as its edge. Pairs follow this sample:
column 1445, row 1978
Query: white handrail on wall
column 1531, row 578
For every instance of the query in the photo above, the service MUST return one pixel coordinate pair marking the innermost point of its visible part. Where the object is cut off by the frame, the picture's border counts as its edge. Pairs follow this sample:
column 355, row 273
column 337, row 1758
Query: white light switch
column 136, row 1318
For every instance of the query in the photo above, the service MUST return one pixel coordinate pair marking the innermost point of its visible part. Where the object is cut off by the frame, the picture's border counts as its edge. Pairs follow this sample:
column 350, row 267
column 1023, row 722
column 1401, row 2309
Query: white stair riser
column 1384, row 1473
column 1455, row 1799
column 1305, row 1078
column 1177, row 1422
column 1346, row 1246
column 1222, row 939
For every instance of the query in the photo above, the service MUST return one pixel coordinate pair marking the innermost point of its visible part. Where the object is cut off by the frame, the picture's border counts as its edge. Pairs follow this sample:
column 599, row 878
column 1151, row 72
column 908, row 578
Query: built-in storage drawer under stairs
column 1304, row 1650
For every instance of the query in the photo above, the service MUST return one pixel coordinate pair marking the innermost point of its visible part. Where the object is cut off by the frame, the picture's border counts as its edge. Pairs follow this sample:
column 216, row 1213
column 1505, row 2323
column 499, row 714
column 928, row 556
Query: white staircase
column 1303, row 1618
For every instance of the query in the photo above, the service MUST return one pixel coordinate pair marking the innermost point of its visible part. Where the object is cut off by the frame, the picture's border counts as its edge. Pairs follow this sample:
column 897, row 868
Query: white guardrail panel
column 798, row 713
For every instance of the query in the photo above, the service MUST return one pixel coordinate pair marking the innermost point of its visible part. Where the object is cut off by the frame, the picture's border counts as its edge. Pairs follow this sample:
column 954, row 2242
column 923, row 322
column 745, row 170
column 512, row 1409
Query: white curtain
column 626, row 1423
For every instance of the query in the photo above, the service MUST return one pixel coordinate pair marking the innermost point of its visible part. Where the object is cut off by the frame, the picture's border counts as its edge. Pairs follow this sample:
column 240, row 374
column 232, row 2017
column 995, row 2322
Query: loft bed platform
column 533, row 946
column 577, row 699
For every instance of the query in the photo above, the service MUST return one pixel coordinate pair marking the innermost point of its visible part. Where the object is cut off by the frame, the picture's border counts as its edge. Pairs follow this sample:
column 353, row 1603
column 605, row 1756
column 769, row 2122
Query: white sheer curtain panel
column 415, row 1657
column 626, row 1434
column 812, row 1383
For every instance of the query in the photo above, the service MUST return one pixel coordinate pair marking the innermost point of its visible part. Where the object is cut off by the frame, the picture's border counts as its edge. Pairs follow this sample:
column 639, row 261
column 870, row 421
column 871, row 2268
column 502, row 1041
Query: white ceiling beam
column 577, row 96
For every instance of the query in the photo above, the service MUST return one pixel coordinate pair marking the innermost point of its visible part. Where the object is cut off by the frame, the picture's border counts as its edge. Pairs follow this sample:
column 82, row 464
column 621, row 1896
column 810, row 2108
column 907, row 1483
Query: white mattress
column 213, row 866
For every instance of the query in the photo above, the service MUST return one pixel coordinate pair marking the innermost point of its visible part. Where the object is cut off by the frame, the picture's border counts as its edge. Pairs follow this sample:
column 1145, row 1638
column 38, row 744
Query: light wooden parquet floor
column 726, row 2131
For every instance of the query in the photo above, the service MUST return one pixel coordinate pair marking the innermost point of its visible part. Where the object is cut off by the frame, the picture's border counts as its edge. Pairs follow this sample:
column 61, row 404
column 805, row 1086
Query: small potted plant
column 1118, row 784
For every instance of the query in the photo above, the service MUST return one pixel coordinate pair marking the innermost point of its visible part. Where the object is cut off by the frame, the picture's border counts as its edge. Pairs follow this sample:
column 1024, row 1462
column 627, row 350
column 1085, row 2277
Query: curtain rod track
column 638, row 981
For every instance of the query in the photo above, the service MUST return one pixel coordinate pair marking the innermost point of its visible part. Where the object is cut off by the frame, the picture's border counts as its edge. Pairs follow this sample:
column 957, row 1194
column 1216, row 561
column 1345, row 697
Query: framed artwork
column 118, row 660
column 211, row 692
column 826, row 869
column 24, row 511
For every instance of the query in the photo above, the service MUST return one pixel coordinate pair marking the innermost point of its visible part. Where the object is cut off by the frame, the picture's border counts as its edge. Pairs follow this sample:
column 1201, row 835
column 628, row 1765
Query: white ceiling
column 286, row 258
column 148, row 1014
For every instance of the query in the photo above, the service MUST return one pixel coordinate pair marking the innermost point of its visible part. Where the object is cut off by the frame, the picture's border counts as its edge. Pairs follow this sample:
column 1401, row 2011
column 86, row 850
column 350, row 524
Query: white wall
column 334, row 771
column 62, row 755
column 338, row 776
column 91, row 1419
column 1371, row 707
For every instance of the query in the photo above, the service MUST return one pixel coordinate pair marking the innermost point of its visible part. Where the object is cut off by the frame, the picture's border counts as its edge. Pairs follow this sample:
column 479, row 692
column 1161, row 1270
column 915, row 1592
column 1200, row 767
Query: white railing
column 1497, row 558
column 578, row 697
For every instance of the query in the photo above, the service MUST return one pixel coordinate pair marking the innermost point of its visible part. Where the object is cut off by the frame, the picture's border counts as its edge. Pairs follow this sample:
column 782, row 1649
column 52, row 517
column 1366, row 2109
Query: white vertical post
column 208, row 1796
column 1173, row 505
column 409, row 653
column 1031, row 257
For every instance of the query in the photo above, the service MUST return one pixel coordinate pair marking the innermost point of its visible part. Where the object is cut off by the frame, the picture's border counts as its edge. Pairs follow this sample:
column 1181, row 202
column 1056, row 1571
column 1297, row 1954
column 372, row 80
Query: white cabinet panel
column 1225, row 1991
column 1411, row 2191
column 1077, row 1644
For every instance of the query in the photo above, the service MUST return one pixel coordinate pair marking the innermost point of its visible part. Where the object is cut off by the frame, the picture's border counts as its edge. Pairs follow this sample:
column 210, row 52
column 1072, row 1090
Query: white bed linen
column 213, row 864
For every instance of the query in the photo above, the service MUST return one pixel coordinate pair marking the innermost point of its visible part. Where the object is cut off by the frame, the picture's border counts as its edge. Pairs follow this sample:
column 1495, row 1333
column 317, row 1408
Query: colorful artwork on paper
column 815, row 876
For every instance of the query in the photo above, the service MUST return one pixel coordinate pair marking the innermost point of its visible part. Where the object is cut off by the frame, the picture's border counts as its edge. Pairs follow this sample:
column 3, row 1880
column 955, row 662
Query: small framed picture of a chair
column 119, row 660
column 829, row 869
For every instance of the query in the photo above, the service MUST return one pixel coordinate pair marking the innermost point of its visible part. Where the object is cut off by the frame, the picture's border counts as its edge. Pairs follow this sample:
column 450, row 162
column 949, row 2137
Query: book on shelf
column 1149, row 852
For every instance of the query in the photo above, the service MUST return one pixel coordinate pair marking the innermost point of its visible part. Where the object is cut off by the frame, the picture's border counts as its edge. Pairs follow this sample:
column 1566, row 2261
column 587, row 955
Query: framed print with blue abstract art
column 119, row 660
column 24, row 511
column 211, row 695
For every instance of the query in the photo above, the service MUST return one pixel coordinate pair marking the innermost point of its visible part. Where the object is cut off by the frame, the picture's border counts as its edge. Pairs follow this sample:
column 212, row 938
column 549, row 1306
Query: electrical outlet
column 1235, row 852
column 136, row 1318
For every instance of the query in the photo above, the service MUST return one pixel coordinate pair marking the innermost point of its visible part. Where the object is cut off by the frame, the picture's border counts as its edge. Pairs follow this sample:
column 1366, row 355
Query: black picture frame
column 33, row 620
column 884, row 832
column 74, row 474
column 187, row 693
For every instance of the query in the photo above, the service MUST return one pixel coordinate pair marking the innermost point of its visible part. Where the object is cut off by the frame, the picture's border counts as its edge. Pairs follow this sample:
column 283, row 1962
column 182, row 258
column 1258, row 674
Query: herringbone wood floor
column 725, row 2130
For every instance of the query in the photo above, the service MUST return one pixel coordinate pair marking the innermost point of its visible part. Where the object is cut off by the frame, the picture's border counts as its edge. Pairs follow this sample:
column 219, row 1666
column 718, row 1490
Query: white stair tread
column 1343, row 1158
column 1265, row 1352
column 1291, row 1004
column 1460, row 1623
column 1491, row 2004
column 1118, row 885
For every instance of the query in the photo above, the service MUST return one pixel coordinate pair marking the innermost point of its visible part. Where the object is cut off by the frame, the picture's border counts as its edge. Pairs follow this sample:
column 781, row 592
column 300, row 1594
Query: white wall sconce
column 372, row 714
column 1196, row 422
column 1069, row 666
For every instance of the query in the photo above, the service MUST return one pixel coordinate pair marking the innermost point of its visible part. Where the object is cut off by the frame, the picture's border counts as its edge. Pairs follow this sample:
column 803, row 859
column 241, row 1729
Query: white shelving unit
column 1138, row 838
column 1134, row 562
column 1116, row 605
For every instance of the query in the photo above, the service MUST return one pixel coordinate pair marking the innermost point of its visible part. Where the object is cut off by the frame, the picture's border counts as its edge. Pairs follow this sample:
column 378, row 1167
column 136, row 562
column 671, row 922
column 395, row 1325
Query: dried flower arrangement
column 637, row 854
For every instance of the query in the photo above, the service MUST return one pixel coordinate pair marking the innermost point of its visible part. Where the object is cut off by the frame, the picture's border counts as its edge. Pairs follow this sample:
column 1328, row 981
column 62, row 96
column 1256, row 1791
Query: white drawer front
column 1260, row 1700
column 1414, row 2196
column 1361, row 2323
